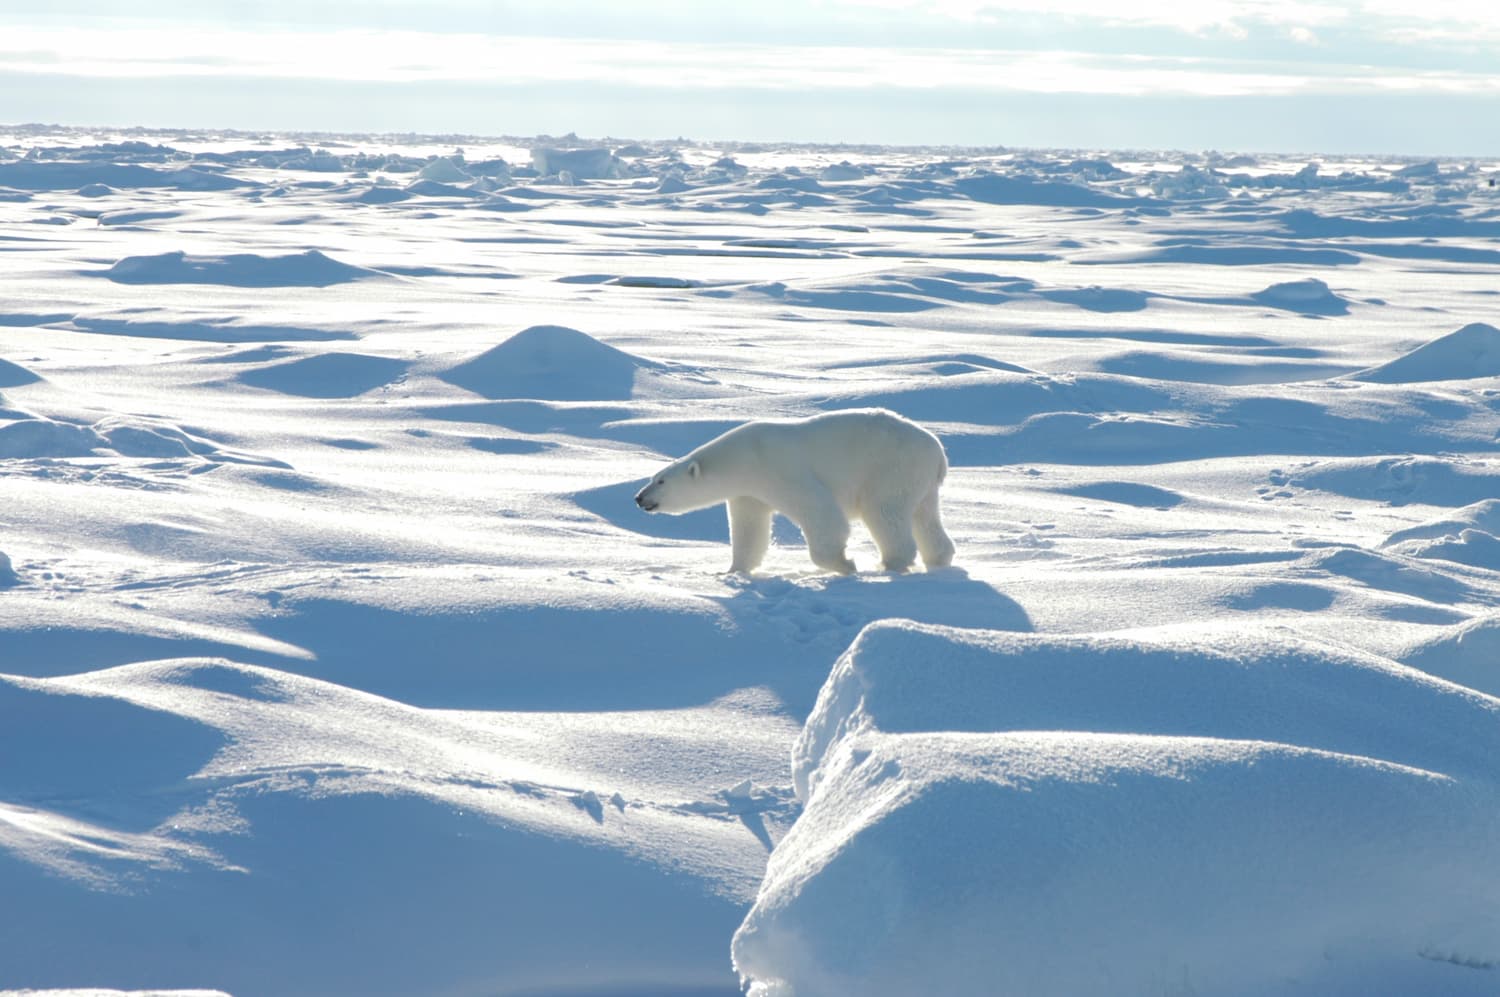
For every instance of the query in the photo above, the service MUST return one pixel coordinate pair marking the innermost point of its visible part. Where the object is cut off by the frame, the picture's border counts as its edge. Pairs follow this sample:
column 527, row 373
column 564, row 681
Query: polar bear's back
column 856, row 453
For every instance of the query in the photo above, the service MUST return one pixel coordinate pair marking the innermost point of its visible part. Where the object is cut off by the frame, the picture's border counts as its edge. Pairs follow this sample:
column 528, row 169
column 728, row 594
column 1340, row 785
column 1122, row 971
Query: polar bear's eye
column 661, row 481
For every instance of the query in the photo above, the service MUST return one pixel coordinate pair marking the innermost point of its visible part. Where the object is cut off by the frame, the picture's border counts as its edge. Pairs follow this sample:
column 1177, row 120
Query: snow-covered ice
column 1229, row 811
column 335, row 656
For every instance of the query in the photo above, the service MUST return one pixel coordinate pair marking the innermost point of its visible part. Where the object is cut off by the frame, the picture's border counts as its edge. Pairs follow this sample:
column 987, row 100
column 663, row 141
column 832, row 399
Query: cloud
column 395, row 56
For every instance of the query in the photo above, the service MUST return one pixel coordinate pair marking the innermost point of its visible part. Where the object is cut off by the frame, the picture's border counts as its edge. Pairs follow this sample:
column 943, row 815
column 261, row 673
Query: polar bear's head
column 678, row 487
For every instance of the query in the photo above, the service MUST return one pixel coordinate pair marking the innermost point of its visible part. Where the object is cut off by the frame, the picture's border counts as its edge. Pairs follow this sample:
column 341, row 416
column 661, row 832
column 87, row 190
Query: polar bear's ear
column 694, row 470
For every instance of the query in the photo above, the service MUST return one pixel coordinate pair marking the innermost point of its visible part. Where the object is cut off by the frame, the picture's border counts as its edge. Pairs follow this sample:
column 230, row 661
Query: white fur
column 822, row 472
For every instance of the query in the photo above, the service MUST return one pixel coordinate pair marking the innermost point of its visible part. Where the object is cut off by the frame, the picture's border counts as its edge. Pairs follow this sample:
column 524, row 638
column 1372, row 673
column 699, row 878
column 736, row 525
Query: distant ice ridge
column 1185, row 811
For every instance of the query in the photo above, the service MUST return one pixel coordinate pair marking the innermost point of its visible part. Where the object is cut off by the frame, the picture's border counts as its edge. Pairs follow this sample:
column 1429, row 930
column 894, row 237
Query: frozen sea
column 336, row 658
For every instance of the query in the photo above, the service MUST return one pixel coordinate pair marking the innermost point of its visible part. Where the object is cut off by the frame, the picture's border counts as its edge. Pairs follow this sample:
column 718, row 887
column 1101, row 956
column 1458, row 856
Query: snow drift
column 309, row 269
column 1473, row 351
column 1230, row 814
column 550, row 362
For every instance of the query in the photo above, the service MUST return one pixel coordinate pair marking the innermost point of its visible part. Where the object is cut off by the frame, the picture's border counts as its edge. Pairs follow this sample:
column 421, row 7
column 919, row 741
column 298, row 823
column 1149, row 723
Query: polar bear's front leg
column 749, row 532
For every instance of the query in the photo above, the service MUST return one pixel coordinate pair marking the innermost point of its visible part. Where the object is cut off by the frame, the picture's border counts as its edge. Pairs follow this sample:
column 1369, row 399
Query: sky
column 1374, row 76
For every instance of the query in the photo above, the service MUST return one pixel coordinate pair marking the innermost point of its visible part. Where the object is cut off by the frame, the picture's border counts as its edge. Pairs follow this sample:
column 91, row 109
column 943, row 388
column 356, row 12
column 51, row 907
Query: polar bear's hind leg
column 824, row 526
column 927, row 526
column 828, row 547
column 891, row 529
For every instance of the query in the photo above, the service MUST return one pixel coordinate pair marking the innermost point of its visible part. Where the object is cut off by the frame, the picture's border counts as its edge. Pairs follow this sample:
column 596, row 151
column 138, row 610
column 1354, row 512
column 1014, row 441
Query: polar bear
column 820, row 473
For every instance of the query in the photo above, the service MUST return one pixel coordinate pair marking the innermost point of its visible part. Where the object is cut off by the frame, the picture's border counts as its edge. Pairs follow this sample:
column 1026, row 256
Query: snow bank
column 309, row 269
column 1468, row 654
column 1190, row 682
column 991, row 812
column 1473, row 351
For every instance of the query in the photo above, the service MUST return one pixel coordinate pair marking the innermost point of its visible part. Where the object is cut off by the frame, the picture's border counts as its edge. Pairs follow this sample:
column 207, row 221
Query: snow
column 1470, row 352
column 551, row 362
column 310, row 268
column 1233, row 809
column 335, row 656
column 1067, row 862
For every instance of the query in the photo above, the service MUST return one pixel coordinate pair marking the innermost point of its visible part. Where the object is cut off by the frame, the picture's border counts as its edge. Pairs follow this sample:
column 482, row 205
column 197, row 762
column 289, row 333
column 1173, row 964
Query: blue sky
column 1253, row 75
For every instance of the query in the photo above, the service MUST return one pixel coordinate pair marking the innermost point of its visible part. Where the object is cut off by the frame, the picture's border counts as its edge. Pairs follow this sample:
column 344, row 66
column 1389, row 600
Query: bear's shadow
column 819, row 615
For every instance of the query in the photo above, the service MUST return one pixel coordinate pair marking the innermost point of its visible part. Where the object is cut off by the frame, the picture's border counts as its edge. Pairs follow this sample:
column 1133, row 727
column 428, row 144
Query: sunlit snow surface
column 337, row 659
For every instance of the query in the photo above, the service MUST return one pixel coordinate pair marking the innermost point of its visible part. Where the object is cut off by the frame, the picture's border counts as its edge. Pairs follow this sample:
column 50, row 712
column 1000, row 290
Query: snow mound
column 837, row 172
column 1309, row 296
column 1466, row 536
column 982, row 807
column 327, row 375
column 1473, row 351
column 309, row 269
column 432, row 188
column 553, row 363
column 146, row 437
column 382, row 194
column 1483, row 515
column 444, row 170
column 8, row 575
column 1468, row 654
column 34, row 438
column 1188, row 183
column 641, row 280
column 583, row 164
column 143, row 438
column 13, row 375
column 37, row 438
column 1193, row 682
column 1402, row 480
